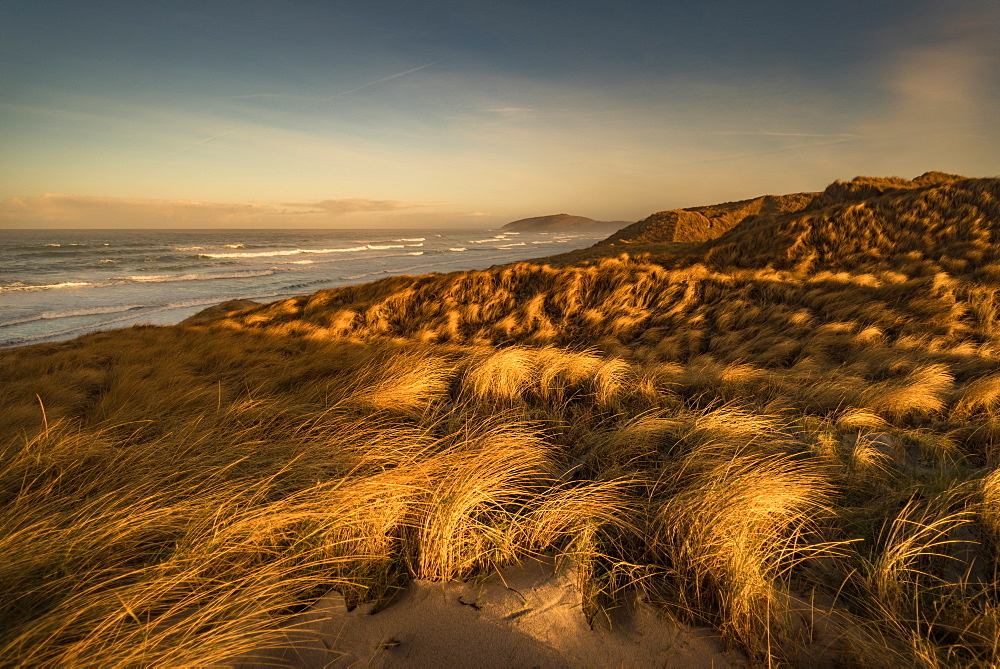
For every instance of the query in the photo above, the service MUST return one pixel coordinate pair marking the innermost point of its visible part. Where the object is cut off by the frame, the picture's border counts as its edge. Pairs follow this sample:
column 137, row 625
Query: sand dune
column 779, row 446
column 700, row 224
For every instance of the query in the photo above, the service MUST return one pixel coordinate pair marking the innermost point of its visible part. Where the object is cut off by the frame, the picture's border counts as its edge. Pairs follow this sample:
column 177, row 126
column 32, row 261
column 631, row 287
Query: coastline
column 60, row 284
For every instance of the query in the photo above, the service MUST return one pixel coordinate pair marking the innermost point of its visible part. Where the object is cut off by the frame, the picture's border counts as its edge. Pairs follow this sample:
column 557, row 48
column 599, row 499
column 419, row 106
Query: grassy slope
column 699, row 224
column 805, row 409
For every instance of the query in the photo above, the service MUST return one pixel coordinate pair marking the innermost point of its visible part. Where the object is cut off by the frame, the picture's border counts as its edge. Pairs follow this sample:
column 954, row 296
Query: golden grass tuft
column 407, row 382
column 911, row 540
column 468, row 521
column 923, row 390
column 730, row 531
column 504, row 375
column 990, row 509
column 981, row 394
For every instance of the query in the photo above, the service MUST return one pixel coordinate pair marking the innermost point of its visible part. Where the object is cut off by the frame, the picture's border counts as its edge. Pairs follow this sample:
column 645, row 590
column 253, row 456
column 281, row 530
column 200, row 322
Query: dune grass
column 752, row 439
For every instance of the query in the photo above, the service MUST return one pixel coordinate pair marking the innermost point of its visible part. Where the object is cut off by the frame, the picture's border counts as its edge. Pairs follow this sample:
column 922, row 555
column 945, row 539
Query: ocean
column 58, row 284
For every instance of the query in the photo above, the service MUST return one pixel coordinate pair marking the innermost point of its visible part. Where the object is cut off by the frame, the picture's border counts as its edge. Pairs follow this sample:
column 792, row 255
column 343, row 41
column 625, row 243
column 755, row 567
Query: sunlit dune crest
column 761, row 432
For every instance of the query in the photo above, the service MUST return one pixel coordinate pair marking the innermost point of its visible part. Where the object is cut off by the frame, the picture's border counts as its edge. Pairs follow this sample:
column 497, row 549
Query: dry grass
column 729, row 532
column 805, row 408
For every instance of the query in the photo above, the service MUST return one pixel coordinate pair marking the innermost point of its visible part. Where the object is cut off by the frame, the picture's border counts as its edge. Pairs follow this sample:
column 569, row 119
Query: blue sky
column 352, row 114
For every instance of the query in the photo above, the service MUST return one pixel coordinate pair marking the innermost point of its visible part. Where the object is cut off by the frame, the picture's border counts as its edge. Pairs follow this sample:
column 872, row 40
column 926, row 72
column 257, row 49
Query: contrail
column 377, row 81
column 210, row 139
column 314, row 101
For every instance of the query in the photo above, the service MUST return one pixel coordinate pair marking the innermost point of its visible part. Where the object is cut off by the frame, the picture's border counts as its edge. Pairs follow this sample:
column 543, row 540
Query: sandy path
column 525, row 616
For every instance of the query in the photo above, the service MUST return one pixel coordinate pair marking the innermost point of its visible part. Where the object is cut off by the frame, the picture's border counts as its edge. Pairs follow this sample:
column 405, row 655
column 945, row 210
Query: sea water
column 57, row 284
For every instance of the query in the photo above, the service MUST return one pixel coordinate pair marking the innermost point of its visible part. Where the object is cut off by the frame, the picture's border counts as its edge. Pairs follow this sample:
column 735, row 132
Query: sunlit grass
column 774, row 421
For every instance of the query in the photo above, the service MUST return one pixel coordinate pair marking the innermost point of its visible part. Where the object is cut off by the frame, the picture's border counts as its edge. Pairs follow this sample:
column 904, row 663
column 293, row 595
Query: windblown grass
column 730, row 530
column 805, row 409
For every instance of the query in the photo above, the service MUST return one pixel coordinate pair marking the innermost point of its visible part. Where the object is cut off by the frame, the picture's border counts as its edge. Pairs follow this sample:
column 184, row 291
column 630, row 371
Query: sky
column 335, row 114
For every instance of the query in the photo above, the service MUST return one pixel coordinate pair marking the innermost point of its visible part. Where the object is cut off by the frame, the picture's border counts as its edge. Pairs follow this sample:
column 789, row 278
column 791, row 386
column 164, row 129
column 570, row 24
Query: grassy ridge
column 781, row 435
column 699, row 224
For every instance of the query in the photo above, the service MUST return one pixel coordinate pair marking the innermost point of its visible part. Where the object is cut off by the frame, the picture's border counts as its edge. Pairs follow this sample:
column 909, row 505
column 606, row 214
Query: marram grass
column 765, row 431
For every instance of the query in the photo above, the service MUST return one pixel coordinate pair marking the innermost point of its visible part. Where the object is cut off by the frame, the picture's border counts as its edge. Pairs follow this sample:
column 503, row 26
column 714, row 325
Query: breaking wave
column 52, row 315
column 164, row 278
column 46, row 286
column 268, row 254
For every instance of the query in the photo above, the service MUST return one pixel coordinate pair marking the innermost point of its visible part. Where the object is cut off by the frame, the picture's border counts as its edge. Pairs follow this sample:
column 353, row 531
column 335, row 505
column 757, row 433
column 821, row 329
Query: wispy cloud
column 351, row 205
column 508, row 111
column 113, row 126
column 766, row 152
column 942, row 96
column 54, row 210
column 314, row 100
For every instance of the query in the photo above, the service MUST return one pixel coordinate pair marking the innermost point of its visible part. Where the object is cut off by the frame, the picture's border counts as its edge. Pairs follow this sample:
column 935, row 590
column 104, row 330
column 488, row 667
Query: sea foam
column 47, row 286
column 163, row 278
column 268, row 254
column 52, row 315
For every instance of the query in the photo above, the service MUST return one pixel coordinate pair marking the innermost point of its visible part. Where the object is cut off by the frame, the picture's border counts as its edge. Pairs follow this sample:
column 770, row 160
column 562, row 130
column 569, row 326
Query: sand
column 525, row 616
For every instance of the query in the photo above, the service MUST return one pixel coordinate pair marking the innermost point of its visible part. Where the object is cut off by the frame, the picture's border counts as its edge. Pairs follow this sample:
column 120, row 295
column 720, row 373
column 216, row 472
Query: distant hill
column 559, row 222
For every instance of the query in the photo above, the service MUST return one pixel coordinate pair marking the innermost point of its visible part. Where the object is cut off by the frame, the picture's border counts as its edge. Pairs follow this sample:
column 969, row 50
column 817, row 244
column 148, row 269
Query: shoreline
column 180, row 281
